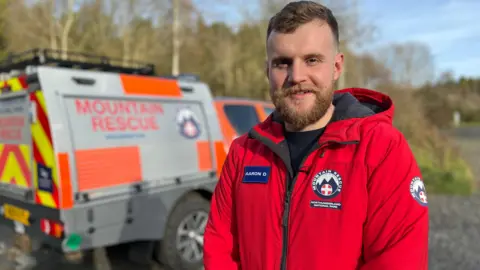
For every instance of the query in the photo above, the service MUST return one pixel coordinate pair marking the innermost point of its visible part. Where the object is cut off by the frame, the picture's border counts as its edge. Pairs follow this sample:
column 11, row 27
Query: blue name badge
column 256, row 174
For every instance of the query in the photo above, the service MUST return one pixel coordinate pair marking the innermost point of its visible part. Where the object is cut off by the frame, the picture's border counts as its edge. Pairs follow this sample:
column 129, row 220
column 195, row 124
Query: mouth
column 300, row 93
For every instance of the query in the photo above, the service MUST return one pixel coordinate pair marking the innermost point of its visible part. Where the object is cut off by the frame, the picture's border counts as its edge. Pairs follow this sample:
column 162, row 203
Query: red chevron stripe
column 23, row 81
column 42, row 117
column 38, row 159
column 15, row 150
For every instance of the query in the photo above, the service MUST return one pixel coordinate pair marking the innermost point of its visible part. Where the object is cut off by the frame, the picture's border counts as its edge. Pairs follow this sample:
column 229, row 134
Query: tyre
column 182, row 245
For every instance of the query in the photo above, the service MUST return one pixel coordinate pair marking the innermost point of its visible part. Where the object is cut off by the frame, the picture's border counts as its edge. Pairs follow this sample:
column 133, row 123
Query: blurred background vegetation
column 184, row 36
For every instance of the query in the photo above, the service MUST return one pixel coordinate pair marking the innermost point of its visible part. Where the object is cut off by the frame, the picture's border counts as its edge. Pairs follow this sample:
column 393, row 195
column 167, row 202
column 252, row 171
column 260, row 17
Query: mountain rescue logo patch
column 418, row 191
column 188, row 123
column 326, row 184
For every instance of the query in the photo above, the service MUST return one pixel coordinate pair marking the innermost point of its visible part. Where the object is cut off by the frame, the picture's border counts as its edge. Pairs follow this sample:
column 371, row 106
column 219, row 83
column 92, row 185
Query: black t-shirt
column 299, row 144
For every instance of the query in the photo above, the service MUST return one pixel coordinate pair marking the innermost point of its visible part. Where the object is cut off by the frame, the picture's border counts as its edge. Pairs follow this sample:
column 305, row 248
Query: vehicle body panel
column 119, row 150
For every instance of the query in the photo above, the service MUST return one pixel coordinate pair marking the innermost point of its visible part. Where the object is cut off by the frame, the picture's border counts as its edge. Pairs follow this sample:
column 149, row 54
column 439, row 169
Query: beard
column 299, row 117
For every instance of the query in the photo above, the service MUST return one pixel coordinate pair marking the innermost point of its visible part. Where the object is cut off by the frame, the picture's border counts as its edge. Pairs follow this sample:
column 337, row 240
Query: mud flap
column 141, row 252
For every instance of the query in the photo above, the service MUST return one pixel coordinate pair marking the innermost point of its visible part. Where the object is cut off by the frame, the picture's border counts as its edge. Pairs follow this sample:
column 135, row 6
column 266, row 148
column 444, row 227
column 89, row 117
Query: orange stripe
column 139, row 85
column 66, row 193
column 220, row 155
column 107, row 167
column 227, row 129
column 204, row 156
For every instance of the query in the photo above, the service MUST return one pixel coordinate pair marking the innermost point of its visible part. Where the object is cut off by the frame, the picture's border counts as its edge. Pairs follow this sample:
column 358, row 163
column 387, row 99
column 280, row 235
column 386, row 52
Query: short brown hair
column 297, row 13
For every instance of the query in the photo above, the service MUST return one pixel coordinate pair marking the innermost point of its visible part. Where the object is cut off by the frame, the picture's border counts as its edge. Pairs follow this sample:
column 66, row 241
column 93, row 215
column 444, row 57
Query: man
column 326, row 182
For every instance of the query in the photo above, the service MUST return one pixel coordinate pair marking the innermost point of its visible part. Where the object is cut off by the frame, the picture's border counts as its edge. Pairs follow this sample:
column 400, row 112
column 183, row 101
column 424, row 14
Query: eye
column 281, row 63
column 313, row 61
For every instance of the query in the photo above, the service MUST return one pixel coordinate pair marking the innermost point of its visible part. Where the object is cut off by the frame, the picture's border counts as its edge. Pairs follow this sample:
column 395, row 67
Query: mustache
column 299, row 88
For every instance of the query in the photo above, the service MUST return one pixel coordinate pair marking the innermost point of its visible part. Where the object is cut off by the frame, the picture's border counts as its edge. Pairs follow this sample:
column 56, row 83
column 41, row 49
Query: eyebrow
column 307, row 56
column 314, row 55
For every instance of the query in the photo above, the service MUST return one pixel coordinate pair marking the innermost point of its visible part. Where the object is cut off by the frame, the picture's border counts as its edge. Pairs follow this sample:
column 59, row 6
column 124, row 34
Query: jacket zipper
column 286, row 214
column 288, row 197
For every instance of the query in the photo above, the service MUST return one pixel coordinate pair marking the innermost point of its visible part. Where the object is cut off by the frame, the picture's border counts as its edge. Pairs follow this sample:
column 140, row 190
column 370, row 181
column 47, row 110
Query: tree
column 446, row 77
column 411, row 63
column 66, row 26
column 366, row 71
column 94, row 30
column 3, row 36
column 45, row 24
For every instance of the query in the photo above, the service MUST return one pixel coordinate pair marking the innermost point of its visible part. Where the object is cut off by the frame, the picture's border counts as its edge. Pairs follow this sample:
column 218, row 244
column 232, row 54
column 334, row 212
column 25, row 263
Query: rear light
column 52, row 228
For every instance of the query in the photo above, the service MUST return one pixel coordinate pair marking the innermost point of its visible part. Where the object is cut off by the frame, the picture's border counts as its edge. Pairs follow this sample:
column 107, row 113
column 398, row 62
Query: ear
column 338, row 66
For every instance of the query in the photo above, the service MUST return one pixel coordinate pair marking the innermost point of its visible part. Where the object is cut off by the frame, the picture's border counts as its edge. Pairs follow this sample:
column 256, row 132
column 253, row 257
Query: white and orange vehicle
column 94, row 154
column 238, row 115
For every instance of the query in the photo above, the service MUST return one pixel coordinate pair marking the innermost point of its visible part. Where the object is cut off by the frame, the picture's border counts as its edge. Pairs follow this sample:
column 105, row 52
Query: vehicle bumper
column 32, row 230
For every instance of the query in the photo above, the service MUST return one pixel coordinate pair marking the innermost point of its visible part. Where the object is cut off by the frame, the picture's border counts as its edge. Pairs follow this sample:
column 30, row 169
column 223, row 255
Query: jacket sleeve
column 220, row 248
column 396, row 229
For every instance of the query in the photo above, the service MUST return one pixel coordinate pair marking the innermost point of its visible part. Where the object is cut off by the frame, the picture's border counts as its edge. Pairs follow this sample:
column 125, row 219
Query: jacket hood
column 354, row 108
column 362, row 103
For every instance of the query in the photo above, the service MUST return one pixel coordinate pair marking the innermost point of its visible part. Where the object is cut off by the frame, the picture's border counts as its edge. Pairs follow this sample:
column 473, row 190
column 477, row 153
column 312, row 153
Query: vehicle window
column 268, row 110
column 241, row 117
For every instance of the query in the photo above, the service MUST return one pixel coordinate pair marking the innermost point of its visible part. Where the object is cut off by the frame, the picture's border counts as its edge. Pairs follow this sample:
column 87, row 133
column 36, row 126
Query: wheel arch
column 203, row 192
column 173, row 198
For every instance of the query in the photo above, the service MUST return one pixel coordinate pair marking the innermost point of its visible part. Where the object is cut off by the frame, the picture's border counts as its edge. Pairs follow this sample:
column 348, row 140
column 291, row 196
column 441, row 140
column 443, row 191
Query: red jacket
column 358, row 201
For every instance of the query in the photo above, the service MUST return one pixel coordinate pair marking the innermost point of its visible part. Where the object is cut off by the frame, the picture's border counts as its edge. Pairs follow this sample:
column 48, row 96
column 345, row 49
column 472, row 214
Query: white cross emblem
column 326, row 189
column 422, row 196
column 327, row 184
column 190, row 129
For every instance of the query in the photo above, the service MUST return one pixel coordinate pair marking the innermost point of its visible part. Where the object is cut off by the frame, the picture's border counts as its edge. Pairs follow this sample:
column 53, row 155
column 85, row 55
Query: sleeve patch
column 418, row 192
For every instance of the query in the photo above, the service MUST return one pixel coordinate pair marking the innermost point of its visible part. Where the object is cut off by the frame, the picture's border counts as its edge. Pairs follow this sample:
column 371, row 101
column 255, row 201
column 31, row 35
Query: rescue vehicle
column 238, row 115
column 97, row 152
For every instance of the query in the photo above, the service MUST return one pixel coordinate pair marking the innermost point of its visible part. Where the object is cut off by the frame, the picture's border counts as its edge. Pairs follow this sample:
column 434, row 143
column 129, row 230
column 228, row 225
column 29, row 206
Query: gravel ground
column 454, row 240
column 112, row 259
column 454, row 233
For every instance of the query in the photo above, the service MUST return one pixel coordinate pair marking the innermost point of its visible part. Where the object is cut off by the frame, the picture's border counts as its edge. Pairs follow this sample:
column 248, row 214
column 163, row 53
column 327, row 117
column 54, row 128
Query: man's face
column 302, row 68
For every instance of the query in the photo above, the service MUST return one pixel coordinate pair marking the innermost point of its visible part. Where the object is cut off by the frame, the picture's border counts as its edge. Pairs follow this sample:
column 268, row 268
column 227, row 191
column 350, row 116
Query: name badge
column 256, row 174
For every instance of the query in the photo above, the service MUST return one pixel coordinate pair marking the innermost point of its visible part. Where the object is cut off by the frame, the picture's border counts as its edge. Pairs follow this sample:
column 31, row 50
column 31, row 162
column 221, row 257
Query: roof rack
column 75, row 60
column 184, row 77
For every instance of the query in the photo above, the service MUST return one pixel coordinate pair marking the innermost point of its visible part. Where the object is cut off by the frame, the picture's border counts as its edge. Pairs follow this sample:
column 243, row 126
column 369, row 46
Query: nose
column 297, row 73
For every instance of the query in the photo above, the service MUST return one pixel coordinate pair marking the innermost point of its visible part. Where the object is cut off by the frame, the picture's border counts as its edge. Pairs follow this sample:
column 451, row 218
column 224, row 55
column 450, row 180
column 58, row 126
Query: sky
column 450, row 28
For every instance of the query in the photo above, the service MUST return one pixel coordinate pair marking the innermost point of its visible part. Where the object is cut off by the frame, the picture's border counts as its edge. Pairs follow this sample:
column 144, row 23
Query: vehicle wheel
column 182, row 245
